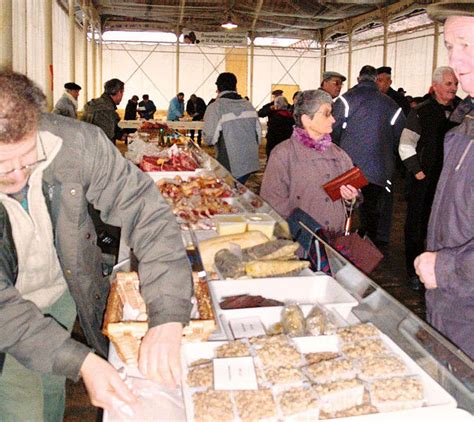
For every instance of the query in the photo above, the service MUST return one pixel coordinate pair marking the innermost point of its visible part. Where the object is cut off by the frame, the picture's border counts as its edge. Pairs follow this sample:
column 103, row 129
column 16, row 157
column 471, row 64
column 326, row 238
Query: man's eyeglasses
column 28, row 167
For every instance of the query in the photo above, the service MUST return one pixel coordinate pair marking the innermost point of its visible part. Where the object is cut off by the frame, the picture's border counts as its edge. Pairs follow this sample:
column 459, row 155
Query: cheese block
column 127, row 347
column 209, row 247
column 198, row 330
column 126, row 337
column 114, row 309
column 262, row 269
column 134, row 307
column 229, row 265
column 125, row 319
column 280, row 249
column 136, row 328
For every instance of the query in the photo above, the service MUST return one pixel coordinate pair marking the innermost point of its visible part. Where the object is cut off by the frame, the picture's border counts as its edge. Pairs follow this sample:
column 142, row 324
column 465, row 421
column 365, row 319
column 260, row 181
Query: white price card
column 247, row 327
column 234, row 374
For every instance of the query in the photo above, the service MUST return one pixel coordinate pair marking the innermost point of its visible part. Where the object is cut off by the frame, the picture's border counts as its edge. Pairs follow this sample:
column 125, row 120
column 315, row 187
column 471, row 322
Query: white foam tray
column 316, row 288
column 437, row 400
column 267, row 315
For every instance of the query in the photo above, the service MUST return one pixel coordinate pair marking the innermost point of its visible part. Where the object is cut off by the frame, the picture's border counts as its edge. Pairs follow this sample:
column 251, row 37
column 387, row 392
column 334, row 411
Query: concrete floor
column 390, row 275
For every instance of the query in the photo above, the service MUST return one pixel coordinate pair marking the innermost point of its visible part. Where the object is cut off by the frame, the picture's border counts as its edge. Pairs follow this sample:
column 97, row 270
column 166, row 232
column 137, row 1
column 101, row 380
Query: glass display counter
column 439, row 358
column 442, row 360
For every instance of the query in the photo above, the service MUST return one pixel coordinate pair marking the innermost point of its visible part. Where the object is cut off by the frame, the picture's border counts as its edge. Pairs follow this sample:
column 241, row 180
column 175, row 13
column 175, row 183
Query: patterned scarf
column 22, row 197
column 303, row 138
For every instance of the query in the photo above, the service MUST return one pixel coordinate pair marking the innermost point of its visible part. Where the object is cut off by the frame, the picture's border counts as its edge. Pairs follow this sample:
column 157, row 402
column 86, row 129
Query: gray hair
column 439, row 73
column 21, row 104
column 281, row 103
column 309, row 102
column 113, row 86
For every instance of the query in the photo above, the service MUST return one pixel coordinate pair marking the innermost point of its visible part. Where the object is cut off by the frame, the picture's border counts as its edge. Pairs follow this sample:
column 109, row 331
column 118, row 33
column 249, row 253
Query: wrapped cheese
column 125, row 319
column 209, row 247
column 274, row 268
column 292, row 321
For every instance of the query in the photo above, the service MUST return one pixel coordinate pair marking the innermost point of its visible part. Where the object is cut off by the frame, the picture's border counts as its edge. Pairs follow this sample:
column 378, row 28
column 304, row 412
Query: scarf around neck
column 303, row 138
column 74, row 101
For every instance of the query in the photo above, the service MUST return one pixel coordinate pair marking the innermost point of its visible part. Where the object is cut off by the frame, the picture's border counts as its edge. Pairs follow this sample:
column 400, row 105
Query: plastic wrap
column 292, row 321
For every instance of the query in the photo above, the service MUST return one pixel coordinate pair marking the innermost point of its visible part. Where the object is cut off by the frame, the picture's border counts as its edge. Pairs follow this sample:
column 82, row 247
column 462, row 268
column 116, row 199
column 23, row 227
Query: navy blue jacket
column 368, row 127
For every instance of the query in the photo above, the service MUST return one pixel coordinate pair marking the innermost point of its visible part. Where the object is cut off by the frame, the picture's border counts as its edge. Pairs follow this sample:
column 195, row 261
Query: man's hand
column 160, row 358
column 349, row 192
column 104, row 385
column 425, row 269
column 420, row 175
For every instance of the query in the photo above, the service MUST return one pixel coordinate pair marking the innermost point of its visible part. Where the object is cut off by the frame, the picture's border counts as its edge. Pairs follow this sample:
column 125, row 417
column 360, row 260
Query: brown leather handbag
column 359, row 250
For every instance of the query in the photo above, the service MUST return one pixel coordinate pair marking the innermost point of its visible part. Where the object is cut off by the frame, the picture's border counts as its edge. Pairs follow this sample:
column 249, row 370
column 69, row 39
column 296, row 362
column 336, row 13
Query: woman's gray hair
column 281, row 103
column 309, row 102
column 439, row 73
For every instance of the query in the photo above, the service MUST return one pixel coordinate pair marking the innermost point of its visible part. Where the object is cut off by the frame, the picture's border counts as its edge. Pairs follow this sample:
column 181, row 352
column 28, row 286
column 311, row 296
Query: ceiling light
column 229, row 24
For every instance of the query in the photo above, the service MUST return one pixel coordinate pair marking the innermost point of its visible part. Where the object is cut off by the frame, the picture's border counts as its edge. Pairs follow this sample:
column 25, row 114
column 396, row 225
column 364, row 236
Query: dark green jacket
column 102, row 112
column 88, row 169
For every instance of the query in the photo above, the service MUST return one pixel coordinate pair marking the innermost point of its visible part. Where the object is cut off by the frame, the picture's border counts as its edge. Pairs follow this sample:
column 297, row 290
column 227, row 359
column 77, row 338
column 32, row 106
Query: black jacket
column 279, row 128
column 421, row 143
column 199, row 108
column 400, row 100
column 131, row 110
column 368, row 127
column 266, row 110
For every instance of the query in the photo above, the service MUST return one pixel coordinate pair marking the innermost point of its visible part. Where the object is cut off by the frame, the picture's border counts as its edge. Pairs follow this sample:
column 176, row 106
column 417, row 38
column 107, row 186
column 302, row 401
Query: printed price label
column 247, row 327
column 234, row 374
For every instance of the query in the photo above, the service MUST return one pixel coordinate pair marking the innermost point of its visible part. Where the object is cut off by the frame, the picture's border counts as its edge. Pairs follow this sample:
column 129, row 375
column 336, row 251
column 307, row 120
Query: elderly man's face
column 117, row 98
column 333, row 86
column 74, row 93
column 383, row 82
column 459, row 40
column 16, row 163
column 445, row 91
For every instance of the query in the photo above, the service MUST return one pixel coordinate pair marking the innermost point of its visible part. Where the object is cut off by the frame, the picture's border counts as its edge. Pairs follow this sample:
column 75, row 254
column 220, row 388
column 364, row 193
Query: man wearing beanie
column 67, row 104
column 231, row 124
column 447, row 268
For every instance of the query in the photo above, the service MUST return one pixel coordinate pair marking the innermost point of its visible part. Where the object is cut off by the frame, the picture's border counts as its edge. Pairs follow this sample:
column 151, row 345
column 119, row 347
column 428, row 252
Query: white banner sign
column 133, row 26
column 227, row 38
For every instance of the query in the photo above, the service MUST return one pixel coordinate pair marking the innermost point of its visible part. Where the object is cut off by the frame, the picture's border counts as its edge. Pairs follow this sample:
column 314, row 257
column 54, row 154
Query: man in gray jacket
column 67, row 104
column 51, row 169
column 231, row 124
column 447, row 268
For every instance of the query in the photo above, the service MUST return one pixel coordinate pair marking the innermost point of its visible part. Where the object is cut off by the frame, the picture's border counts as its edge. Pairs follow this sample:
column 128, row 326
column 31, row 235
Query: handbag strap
column 348, row 223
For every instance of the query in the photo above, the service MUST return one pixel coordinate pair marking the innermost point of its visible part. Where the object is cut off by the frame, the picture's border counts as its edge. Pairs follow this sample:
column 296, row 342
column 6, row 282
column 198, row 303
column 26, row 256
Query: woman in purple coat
column 298, row 167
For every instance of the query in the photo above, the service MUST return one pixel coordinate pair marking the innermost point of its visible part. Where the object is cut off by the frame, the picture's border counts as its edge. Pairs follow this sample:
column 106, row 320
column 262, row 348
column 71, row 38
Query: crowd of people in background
column 376, row 125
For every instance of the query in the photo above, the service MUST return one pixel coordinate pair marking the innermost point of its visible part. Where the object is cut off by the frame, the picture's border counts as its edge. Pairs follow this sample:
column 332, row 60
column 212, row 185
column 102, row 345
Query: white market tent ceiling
column 340, row 35
column 300, row 19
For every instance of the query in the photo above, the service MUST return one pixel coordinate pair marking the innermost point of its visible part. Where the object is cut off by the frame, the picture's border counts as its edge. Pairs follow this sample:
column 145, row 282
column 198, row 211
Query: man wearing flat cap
column 447, row 268
column 384, row 82
column 267, row 108
column 332, row 83
column 67, row 104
